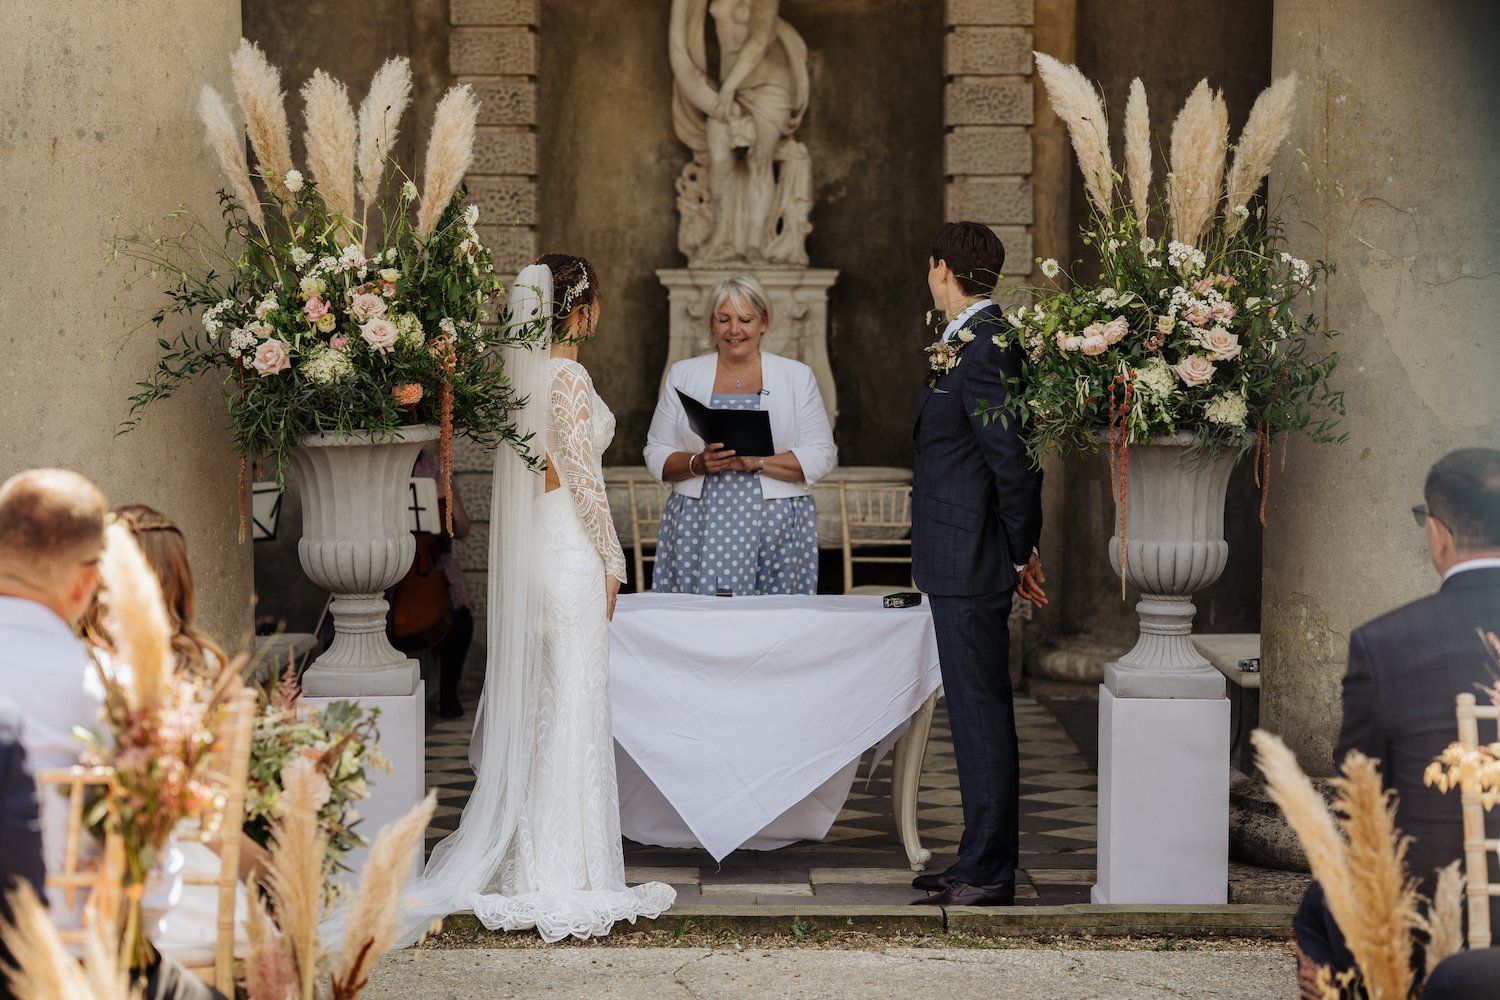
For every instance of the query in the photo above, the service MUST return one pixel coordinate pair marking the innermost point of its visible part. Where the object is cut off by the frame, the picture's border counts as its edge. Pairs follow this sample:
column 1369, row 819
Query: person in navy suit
column 976, row 518
column 1405, row 670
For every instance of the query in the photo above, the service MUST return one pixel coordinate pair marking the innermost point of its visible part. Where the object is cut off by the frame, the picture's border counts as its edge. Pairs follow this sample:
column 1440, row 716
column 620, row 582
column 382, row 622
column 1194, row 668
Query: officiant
column 738, row 522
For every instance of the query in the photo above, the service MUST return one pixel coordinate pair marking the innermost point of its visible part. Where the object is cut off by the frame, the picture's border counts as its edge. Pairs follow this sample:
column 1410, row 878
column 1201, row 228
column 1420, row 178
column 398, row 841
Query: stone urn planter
column 1174, row 546
column 355, row 543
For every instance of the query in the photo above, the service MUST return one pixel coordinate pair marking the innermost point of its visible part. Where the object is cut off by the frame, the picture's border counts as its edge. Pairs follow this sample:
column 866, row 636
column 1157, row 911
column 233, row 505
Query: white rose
column 1195, row 370
column 366, row 306
column 1093, row 346
column 1219, row 343
column 390, row 274
column 380, row 334
column 1115, row 330
column 266, row 307
column 1073, row 343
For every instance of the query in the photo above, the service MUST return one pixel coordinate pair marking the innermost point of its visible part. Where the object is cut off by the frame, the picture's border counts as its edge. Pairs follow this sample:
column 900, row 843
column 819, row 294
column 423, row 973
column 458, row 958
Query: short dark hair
column 1463, row 492
column 972, row 252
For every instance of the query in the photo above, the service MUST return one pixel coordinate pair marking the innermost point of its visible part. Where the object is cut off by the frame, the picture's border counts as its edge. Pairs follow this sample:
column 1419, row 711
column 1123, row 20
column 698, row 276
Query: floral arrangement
column 287, row 959
column 340, row 740
column 338, row 300
column 1198, row 320
column 159, row 729
column 1477, row 770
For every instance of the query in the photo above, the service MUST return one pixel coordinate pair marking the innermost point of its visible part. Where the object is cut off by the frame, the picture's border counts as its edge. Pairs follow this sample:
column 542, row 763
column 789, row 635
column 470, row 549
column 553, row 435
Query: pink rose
column 316, row 309
column 1223, row 312
column 1195, row 370
column 1225, row 281
column 1202, row 286
column 1198, row 314
column 380, row 334
column 367, row 307
column 1219, row 343
column 1093, row 346
column 1116, row 329
column 337, row 343
column 270, row 358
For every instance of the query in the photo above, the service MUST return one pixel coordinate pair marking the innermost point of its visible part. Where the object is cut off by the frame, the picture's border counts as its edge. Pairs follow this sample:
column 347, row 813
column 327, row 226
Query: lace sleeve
column 574, row 455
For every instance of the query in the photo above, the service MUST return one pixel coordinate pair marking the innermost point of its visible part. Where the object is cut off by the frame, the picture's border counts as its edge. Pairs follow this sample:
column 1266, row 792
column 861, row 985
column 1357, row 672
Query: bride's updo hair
column 574, row 282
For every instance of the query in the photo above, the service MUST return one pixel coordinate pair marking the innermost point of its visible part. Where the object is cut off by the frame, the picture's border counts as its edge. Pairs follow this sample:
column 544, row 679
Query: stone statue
column 745, row 197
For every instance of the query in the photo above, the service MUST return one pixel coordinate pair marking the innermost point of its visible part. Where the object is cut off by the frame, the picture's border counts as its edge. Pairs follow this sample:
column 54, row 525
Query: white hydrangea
column 409, row 330
column 1157, row 378
column 1228, row 409
column 213, row 320
column 1187, row 259
column 447, row 326
column 300, row 258
column 241, row 340
column 1050, row 267
column 327, row 366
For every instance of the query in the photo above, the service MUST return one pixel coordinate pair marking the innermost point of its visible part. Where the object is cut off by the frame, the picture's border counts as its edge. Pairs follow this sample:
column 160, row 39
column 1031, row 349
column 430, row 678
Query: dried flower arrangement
column 44, row 967
column 1359, row 858
column 1474, row 770
column 1195, row 322
column 342, row 300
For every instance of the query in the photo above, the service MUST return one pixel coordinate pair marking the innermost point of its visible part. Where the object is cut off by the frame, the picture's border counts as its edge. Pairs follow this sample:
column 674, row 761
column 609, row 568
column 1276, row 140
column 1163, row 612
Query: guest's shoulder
column 1401, row 624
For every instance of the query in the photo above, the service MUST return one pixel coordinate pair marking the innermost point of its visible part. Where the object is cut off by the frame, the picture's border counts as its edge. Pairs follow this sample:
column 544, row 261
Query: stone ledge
column 497, row 12
column 1227, row 920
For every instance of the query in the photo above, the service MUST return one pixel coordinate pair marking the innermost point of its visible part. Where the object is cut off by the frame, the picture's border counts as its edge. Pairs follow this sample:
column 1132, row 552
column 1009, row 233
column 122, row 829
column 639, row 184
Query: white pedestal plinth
column 1163, row 800
column 402, row 725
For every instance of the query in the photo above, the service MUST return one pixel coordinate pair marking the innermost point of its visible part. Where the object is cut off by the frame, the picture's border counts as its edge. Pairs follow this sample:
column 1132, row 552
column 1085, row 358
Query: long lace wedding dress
column 564, row 873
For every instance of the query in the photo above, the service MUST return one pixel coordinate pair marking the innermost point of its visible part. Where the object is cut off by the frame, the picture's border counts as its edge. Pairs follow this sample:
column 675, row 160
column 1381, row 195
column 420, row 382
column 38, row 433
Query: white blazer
column 799, row 421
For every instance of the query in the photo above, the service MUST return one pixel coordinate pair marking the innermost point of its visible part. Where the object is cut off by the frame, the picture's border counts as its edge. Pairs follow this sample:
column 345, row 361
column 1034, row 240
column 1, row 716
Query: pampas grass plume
column 450, row 150
column 1379, row 931
column 1445, row 916
column 1138, row 150
column 1264, row 132
column 379, row 120
column 1197, row 159
column 136, row 619
column 295, row 874
column 44, row 969
column 370, row 924
column 330, row 139
column 224, row 139
column 270, row 973
column 257, row 85
column 1075, row 100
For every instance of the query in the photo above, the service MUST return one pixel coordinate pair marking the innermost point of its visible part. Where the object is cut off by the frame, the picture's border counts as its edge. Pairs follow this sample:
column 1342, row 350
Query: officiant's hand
column 611, row 591
column 1032, row 578
column 717, row 458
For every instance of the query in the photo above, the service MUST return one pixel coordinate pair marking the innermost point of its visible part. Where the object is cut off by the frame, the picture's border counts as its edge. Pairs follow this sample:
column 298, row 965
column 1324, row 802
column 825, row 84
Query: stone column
column 1399, row 115
column 100, row 121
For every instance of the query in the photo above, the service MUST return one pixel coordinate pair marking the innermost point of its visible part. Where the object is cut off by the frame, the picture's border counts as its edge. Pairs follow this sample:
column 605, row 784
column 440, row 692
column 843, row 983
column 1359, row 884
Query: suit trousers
column 973, row 637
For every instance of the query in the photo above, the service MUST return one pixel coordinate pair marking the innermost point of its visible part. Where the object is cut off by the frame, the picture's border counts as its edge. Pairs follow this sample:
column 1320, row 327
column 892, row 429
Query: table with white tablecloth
column 740, row 721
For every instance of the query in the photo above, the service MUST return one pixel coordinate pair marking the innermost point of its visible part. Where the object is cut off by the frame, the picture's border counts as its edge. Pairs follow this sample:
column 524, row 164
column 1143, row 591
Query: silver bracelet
column 691, row 459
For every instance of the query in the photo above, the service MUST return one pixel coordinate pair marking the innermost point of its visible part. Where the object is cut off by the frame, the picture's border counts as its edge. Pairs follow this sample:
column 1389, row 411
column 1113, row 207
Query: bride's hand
column 611, row 591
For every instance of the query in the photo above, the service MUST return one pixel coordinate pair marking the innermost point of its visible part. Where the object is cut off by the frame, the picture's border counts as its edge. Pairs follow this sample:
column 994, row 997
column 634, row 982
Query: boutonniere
column 943, row 357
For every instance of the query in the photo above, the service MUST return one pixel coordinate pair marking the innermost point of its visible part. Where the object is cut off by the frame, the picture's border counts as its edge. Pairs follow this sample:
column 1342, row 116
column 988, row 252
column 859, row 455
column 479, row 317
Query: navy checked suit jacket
column 1405, row 669
column 976, row 500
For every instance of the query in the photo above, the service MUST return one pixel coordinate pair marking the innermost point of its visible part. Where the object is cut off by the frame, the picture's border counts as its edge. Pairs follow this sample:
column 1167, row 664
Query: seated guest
column 737, row 522
column 1406, row 668
column 165, row 549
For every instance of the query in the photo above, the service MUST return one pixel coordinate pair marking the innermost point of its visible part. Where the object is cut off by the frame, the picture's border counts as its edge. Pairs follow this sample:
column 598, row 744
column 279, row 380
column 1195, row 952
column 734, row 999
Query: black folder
column 745, row 432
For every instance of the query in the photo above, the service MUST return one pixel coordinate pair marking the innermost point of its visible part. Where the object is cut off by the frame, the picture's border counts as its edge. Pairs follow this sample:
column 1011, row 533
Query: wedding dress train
column 564, row 870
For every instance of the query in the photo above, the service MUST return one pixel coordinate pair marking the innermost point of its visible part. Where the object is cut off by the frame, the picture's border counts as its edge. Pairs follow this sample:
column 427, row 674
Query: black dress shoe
column 450, row 710
column 935, row 881
column 964, row 894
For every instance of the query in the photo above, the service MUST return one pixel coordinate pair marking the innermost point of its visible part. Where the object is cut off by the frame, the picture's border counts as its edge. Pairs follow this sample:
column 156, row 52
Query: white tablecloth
column 737, row 709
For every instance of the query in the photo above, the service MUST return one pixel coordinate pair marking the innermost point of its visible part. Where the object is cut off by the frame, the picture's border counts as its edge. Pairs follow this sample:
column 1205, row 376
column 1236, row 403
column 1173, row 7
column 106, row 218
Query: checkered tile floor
column 861, row 861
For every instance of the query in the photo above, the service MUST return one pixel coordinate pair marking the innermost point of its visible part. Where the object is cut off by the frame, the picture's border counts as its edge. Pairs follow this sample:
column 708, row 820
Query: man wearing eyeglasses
column 1405, row 669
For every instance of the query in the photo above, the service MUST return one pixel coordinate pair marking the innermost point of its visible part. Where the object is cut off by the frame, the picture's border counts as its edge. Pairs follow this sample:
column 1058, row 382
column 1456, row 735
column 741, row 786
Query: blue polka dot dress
column 734, row 539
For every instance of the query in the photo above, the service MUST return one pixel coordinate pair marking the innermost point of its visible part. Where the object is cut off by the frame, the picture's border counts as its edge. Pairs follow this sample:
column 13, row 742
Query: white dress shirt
column 957, row 323
column 1469, row 564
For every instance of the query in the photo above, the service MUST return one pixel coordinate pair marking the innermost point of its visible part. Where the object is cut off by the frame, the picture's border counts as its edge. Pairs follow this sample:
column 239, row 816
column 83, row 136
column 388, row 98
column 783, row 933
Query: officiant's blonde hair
column 743, row 289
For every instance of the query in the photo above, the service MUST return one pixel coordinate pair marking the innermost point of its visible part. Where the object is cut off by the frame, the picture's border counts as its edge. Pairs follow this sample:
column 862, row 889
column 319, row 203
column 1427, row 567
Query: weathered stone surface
column 508, row 201
column 990, row 199
column 984, row 51
column 504, row 151
column 504, row 100
column 513, row 247
column 988, row 101
column 470, row 457
column 492, row 51
column 474, row 492
column 473, row 550
column 494, row 11
column 1018, row 255
column 991, row 12
column 987, row 151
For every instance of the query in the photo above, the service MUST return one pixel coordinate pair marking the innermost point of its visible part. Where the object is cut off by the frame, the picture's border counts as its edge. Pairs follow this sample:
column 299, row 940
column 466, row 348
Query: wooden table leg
column 906, row 779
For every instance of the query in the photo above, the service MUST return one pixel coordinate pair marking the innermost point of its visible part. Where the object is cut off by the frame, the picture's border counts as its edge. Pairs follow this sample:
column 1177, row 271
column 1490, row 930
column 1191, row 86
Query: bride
column 539, row 842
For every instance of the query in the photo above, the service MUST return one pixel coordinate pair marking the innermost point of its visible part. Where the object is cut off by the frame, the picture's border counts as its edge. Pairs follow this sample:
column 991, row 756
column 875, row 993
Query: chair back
column 647, row 501
column 98, row 876
column 874, row 515
column 232, row 764
column 1478, row 849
